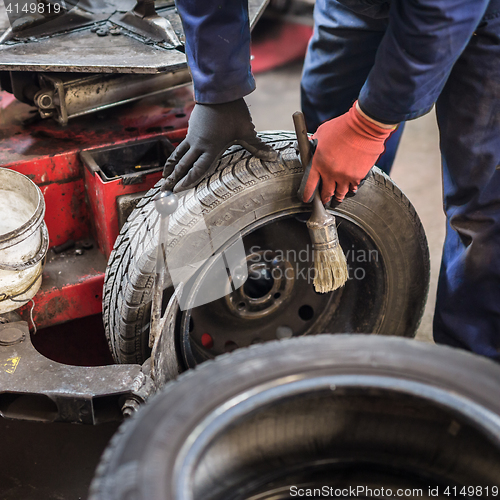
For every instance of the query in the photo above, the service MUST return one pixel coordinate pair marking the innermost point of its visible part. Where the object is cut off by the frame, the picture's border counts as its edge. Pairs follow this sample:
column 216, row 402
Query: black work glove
column 212, row 129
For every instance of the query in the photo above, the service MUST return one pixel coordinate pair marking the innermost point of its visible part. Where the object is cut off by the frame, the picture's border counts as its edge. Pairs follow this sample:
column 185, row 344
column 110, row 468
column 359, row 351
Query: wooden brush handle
column 302, row 139
column 319, row 215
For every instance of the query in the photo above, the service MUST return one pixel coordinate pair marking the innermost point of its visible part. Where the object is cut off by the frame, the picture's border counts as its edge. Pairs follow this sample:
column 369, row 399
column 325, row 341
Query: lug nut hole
column 306, row 312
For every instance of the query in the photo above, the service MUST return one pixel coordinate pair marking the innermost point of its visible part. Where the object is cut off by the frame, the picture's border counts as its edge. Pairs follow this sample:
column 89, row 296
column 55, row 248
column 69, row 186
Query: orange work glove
column 347, row 148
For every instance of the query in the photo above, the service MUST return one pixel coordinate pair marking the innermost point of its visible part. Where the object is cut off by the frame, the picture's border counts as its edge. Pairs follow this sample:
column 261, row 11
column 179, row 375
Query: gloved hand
column 347, row 148
column 212, row 129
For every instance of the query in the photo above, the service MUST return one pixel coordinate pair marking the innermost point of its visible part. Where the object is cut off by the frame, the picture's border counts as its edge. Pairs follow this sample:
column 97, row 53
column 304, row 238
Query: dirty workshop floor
column 56, row 462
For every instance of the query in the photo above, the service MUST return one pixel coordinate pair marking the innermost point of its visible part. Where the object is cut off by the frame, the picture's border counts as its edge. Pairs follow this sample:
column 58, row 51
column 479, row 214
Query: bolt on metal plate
column 10, row 335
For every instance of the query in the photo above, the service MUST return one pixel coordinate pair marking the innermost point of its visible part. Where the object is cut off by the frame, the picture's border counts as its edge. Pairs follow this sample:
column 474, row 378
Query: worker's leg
column 468, row 302
column 339, row 58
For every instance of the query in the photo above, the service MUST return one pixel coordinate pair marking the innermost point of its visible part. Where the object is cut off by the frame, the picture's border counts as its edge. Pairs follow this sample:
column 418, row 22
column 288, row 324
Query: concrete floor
column 41, row 461
column 54, row 462
column 416, row 170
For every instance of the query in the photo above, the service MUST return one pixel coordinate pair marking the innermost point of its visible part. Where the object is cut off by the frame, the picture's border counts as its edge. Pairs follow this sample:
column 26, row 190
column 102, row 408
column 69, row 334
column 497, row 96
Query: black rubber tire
column 380, row 212
column 341, row 410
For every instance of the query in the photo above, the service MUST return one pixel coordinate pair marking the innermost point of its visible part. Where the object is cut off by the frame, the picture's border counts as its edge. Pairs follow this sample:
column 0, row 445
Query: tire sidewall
column 155, row 440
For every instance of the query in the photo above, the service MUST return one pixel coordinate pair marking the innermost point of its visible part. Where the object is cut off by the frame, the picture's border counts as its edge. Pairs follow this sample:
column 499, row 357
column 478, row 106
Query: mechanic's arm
column 423, row 40
column 218, row 52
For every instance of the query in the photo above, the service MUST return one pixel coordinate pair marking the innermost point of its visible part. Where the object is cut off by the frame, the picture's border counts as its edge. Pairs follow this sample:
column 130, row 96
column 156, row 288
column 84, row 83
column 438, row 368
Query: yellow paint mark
column 11, row 364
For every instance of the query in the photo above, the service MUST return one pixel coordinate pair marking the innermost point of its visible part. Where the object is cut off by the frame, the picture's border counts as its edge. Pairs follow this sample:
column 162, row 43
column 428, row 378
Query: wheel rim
column 362, row 393
column 340, row 480
column 278, row 299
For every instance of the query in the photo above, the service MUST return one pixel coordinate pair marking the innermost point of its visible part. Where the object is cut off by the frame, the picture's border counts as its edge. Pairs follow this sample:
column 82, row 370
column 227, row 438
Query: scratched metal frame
column 33, row 387
column 80, row 49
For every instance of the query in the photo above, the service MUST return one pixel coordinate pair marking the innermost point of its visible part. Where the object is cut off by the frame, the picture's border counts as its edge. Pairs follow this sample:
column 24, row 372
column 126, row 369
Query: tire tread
column 127, row 289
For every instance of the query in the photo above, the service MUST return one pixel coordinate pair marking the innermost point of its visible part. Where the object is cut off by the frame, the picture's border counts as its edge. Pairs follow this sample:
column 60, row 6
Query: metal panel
column 83, row 50
column 71, row 287
column 34, row 387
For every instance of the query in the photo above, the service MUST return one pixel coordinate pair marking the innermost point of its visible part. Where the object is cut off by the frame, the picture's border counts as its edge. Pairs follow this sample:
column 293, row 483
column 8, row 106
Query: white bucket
column 23, row 239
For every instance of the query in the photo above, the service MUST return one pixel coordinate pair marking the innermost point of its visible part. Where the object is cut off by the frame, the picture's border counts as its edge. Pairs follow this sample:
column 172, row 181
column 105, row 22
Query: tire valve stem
column 330, row 266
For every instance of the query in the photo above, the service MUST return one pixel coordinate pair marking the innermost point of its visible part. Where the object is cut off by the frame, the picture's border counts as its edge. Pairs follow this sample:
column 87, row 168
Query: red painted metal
column 49, row 153
column 79, row 205
column 68, row 218
column 102, row 199
column 103, row 193
column 71, row 286
column 70, row 301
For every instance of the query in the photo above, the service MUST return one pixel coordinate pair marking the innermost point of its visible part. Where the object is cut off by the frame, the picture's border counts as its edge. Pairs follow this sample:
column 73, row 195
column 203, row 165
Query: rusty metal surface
column 84, row 50
column 71, row 287
column 50, row 155
column 64, row 95
column 35, row 388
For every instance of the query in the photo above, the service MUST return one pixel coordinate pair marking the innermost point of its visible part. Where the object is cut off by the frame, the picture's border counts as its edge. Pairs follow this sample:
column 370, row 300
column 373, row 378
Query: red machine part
column 104, row 193
column 78, row 205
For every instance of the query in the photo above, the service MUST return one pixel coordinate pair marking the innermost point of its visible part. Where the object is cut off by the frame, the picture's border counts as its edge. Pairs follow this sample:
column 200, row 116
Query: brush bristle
column 331, row 269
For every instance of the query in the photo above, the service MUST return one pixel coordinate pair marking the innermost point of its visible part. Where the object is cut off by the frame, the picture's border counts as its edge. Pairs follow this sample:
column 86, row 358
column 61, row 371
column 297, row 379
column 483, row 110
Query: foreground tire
column 379, row 230
column 337, row 411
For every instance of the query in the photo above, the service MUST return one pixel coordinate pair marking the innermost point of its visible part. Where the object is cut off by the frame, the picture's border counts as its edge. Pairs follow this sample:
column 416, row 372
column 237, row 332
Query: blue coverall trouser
column 339, row 59
column 340, row 56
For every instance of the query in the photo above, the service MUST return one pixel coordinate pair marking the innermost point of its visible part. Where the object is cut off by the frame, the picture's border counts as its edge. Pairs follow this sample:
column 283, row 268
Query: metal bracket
column 33, row 387
column 82, row 44
column 67, row 95
column 144, row 21
column 143, row 387
column 165, row 364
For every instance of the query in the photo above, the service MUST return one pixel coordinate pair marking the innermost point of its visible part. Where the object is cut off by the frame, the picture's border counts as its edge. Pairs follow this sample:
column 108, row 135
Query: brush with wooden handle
column 329, row 260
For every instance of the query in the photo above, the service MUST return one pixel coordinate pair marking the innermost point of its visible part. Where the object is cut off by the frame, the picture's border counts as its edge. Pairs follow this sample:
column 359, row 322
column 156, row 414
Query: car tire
column 378, row 228
column 333, row 411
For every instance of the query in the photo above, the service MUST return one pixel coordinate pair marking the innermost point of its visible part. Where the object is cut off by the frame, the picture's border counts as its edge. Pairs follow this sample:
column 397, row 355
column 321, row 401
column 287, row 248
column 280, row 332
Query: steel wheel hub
column 269, row 284
column 278, row 299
